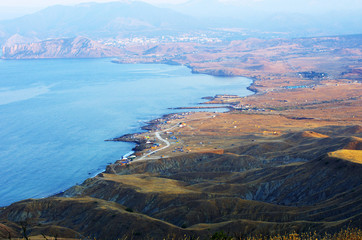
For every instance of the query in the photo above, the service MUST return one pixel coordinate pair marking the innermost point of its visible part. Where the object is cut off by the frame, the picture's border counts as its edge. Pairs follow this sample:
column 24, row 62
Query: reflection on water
column 9, row 96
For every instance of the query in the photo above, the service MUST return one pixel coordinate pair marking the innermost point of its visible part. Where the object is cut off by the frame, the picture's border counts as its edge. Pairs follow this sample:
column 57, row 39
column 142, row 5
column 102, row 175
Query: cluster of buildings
column 119, row 42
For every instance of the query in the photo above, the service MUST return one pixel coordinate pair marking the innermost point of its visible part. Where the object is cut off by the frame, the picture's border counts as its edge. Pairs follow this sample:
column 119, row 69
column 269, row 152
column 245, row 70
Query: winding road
column 158, row 136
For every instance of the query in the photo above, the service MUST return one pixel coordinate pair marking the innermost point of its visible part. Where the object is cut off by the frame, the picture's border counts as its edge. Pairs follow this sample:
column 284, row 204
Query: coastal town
column 145, row 41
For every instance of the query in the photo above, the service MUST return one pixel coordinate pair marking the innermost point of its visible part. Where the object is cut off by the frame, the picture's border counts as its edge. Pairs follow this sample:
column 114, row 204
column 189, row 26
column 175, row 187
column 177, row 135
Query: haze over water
column 56, row 114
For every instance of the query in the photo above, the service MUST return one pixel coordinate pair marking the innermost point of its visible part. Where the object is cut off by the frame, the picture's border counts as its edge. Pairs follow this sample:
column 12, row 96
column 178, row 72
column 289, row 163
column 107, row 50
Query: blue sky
column 20, row 3
column 44, row 3
column 15, row 8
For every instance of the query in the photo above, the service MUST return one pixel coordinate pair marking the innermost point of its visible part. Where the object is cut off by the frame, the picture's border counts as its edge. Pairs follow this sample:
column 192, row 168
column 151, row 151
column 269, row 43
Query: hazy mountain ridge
column 302, row 18
column 272, row 6
column 97, row 20
column 125, row 19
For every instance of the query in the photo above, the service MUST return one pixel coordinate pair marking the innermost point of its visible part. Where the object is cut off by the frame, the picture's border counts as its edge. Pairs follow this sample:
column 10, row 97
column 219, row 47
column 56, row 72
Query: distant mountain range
column 300, row 17
column 133, row 19
column 237, row 8
column 96, row 20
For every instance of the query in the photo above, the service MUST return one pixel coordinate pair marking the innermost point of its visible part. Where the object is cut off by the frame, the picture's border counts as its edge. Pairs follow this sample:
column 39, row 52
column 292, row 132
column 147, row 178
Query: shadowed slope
column 270, row 185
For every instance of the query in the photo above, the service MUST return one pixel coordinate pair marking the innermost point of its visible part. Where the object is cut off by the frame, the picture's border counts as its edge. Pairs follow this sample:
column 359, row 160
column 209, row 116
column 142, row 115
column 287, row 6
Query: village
column 165, row 133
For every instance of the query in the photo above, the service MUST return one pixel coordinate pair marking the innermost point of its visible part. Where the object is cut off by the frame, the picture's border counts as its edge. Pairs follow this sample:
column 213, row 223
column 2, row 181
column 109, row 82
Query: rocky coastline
column 151, row 126
column 157, row 124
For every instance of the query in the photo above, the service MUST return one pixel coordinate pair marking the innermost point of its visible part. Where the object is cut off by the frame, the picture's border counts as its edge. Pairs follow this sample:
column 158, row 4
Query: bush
column 220, row 236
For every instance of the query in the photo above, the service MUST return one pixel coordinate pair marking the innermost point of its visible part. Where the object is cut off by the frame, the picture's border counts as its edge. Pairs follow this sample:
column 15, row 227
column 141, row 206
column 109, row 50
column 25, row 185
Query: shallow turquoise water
column 56, row 114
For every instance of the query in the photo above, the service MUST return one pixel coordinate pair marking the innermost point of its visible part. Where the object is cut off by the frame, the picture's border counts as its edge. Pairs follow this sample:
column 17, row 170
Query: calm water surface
column 56, row 114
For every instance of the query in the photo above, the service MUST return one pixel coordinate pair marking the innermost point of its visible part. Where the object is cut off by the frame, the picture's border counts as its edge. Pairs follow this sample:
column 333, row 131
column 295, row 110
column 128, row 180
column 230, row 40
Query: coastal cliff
column 79, row 47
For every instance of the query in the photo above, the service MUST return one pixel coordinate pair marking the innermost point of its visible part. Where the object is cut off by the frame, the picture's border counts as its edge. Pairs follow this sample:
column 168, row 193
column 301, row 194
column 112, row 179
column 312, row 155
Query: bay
column 56, row 113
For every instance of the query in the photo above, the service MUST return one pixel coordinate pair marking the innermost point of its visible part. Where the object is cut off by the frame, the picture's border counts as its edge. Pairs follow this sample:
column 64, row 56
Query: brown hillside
column 355, row 144
column 313, row 134
column 348, row 155
column 84, row 215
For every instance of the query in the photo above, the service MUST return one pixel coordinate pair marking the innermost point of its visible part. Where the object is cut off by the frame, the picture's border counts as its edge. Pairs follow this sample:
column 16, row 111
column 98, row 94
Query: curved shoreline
column 153, row 123
column 251, row 88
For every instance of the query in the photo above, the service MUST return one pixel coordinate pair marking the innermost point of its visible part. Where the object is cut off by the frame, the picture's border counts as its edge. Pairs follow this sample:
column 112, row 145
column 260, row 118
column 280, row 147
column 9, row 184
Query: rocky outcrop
column 79, row 47
column 19, row 39
column 225, row 72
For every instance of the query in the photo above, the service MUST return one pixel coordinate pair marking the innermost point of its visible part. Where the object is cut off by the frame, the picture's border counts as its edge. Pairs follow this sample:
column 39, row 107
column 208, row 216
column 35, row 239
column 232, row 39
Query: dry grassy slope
column 348, row 154
column 300, row 184
column 74, row 218
column 209, row 188
column 8, row 228
column 253, row 188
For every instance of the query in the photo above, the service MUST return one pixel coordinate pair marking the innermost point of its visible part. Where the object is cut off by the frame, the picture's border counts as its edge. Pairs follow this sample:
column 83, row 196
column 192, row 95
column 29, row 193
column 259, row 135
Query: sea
column 56, row 113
